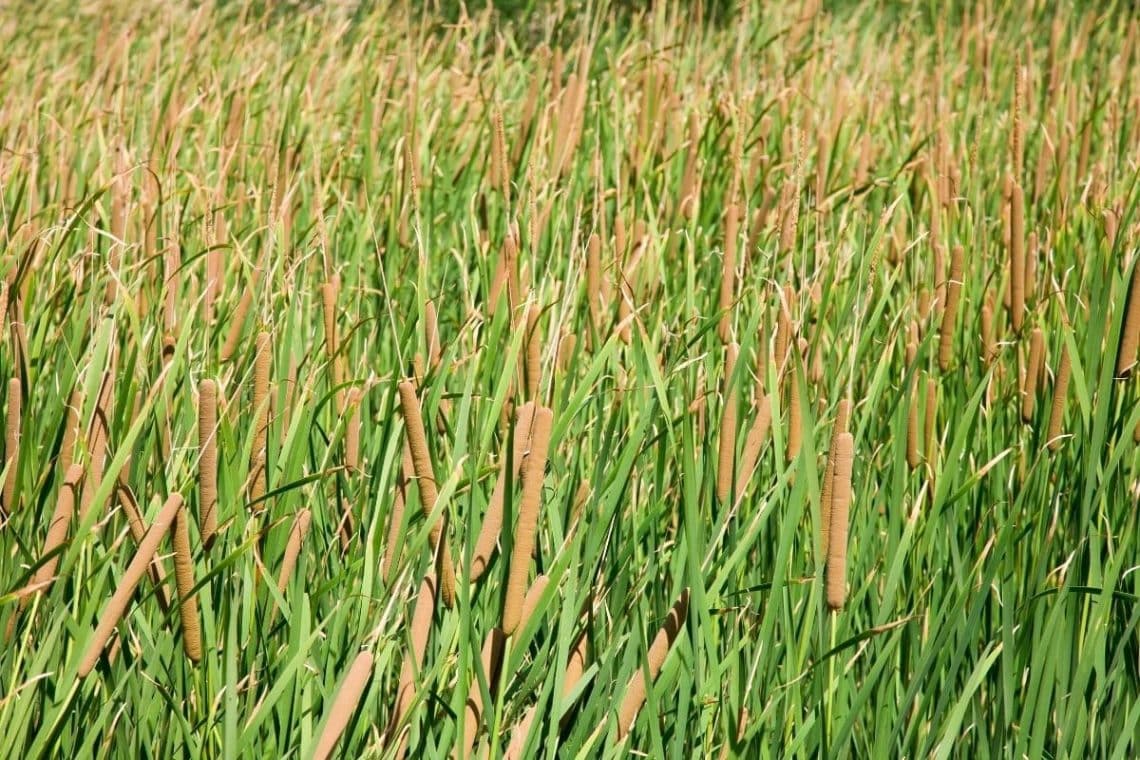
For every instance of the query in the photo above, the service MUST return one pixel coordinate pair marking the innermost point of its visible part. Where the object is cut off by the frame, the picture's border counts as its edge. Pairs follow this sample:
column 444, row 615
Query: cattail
column 344, row 704
column 13, row 424
column 435, row 352
column 1017, row 256
column 533, row 473
column 1130, row 330
column 490, row 656
column 420, row 628
column 912, row 451
column 727, row 458
column 533, row 352
column 826, row 492
column 184, row 578
column 1060, row 389
column 352, row 434
column 138, row 530
column 425, row 475
column 929, row 419
column 208, row 460
column 566, row 348
column 493, row 519
column 259, row 456
column 506, row 274
column 113, row 612
column 753, row 443
column 728, row 271
column 950, row 312
column 519, row 735
column 71, row 429
column 396, row 519
column 840, row 507
column 795, row 417
column 1036, row 355
column 293, row 548
column 238, row 323
column 57, row 530
column 636, row 689
column 784, row 326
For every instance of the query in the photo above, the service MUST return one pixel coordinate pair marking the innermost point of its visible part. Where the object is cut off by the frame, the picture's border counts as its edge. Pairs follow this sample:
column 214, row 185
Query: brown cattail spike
column 493, row 519
column 13, row 424
column 728, row 272
column 1017, row 256
column 297, row 535
column 637, row 687
column 950, row 312
column 840, row 507
column 1060, row 390
column 429, row 493
column 208, row 460
column 184, row 577
column 842, row 415
column 1130, row 330
column 344, row 704
column 727, row 458
column 259, row 457
column 113, row 612
column 533, row 473
column 1032, row 371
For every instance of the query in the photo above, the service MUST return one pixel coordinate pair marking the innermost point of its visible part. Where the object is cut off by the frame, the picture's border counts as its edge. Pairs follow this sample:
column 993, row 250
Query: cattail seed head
column 840, row 507
column 1060, row 390
column 344, row 704
column 728, row 272
column 533, row 473
column 1017, row 256
column 259, row 456
column 1033, row 370
column 13, row 423
column 297, row 535
column 950, row 312
column 425, row 476
column 208, row 460
column 1130, row 330
column 493, row 519
column 637, row 687
column 184, row 577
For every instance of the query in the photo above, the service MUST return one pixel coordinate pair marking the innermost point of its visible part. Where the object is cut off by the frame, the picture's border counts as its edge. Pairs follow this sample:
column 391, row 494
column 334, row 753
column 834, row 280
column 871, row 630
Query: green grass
column 992, row 606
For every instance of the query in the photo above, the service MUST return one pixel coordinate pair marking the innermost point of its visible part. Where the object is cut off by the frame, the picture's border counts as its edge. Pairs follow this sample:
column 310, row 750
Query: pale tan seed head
column 840, row 508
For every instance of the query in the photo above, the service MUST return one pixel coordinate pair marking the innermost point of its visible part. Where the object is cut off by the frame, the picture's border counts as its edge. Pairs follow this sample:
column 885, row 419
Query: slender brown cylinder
column 1130, row 330
column 344, row 704
column 1017, row 256
column 533, row 352
column 840, row 508
column 57, row 530
column 297, row 535
column 728, row 272
column 71, row 430
column 929, row 419
column 784, row 327
column 208, row 460
column 727, row 458
column 396, row 519
column 827, row 488
column 753, row 443
column 989, row 348
column 1060, row 390
column 13, row 424
column 493, row 519
column 637, row 687
column 429, row 493
column 530, row 502
column 113, row 612
column 259, row 456
column 950, row 312
column 413, row 660
column 490, row 657
column 1033, row 370
column 184, row 578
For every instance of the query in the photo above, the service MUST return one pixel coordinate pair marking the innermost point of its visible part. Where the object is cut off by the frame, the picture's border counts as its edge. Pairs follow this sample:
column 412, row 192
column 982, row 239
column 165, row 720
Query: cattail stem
column 425, row 475
column 344, row 704
column 184, row 578
column 727, row 458
column 533, row 352
column 493, row 519
column 637, row 687
column 208, row 461
column 840, row 507
column 113, row 612
column 533, row 473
